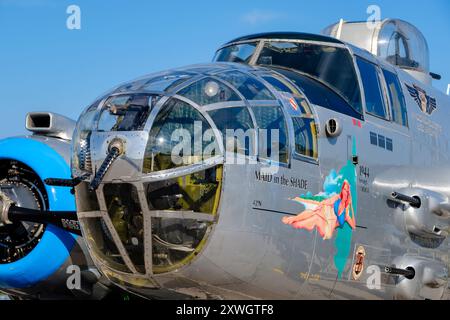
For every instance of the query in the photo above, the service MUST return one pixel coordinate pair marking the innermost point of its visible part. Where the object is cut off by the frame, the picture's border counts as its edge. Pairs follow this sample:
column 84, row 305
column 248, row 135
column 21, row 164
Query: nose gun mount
column 116, row 149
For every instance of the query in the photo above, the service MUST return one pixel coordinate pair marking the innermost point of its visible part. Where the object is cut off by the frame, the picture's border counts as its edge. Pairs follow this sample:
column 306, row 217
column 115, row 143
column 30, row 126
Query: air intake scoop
column 50, row 124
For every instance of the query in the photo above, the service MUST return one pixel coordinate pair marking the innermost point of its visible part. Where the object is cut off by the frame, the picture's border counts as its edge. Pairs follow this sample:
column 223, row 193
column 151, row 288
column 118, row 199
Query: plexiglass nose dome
column 160, row 141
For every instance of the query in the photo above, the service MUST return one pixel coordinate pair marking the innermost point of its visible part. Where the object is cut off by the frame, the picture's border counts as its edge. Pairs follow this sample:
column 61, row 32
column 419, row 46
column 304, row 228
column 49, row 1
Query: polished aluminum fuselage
column 250, row 254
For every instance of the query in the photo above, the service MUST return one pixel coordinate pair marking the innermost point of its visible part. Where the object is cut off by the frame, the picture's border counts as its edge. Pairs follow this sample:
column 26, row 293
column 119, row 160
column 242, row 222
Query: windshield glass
column 329, row 64
column 241, row 53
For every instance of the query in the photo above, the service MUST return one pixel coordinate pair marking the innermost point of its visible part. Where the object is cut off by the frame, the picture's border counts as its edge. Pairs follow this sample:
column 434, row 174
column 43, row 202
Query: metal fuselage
column 253, row 253
column 250, row 253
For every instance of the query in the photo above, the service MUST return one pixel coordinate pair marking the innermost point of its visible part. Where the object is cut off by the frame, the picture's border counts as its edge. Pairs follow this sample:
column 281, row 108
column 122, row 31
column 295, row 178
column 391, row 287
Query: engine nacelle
column 41, row 261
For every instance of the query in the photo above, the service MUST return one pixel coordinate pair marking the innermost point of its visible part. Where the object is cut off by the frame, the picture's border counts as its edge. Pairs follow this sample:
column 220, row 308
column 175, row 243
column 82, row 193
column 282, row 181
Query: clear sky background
column 46, row 67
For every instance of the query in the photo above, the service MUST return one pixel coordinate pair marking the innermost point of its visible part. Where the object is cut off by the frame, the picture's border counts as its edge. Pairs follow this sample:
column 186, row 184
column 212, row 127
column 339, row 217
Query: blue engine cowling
column 43, row 271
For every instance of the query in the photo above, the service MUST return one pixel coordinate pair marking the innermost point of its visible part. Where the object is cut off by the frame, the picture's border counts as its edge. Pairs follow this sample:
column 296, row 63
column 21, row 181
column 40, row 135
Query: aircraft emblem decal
column 333, row 209
column 426, row 103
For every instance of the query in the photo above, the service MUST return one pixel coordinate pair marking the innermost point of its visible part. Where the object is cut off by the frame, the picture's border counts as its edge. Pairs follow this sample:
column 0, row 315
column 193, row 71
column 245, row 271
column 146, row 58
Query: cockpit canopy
column 396, row 41
column 324, row 59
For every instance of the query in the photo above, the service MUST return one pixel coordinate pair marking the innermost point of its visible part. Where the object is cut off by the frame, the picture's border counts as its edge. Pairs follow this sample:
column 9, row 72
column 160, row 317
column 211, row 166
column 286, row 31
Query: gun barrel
column 11, row 214
column 66, row 220
column 413, row 201
column 408, row 273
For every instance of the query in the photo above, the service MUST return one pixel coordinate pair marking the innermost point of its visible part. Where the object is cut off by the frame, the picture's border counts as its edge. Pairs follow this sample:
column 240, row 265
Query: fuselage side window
column 303, row 120
column 396, row 98
column 373, row 93
column 272, row 133
column 305, row 136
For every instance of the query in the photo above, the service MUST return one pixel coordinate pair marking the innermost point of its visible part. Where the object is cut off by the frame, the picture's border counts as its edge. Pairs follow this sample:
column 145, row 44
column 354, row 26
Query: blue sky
column 45, row 66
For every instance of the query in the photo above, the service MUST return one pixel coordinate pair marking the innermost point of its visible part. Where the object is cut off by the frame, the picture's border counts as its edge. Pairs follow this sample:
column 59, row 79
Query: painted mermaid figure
column 325, row 215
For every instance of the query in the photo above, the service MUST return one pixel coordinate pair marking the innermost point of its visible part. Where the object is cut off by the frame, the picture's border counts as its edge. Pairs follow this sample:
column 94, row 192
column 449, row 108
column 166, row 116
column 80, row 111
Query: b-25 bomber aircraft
column 295, row 166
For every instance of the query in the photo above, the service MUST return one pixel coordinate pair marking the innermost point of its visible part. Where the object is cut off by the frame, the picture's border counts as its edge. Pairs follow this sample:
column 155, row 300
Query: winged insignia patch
column 426, row 103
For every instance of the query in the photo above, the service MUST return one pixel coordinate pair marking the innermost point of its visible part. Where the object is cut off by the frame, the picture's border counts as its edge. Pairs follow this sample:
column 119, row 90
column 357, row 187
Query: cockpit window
column 272, row 136
column 305, row 133
column 241, row 53
column 248, row 86
column 209, row 91
column 373, row 92
column 126, row 112
column 328, row 64
column 396, row 98
column 305, row 136
column 180, row 136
